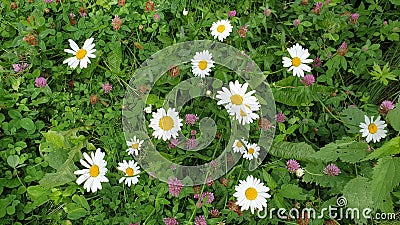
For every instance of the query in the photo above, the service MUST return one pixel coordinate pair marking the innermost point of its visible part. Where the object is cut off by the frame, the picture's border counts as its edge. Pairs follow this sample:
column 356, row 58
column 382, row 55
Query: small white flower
column 147, row 109
column 373, row 130
column 221, row 29
column 299, row 57
column 253, row 151
column 165, row 124
column 250, row 193
column 95, row 171
column 299, row 172
column 239, row 146
column 134, row 146
column 81, row 55
column 185, row 12
column 208, row 92
column 131, row 171
column 202, row 63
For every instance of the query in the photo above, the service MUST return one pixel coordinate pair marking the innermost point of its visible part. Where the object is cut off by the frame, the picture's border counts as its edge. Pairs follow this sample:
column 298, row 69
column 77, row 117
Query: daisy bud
column 208, row 92
column 147, row 109
column 299, row 172
column 185, row 12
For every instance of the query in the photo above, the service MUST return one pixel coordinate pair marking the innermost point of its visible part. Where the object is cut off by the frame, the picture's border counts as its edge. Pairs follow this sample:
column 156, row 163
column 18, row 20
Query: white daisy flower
column 299, row 57
column 202, row 63
column 134, row 146
column 165, row 124
column 253, row 151
column 373, row 130
column 131, row 171
column 246, row 116
column 185, row 12
column 221, row 29
column 238, row 102
column 81, row 55
column 95, row 171
column 147, row 109
column 250, row 193
column 239, row 146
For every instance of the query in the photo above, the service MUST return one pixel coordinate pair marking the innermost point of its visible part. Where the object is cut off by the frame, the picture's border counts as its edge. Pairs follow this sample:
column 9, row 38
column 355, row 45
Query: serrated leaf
column 114, row 59
column 385, row 177
column 287, row 150
column 54, row 138
column 352, row 117
column 358, row 194
column 391, row 147
column 346, row 149
column 292, row 191
column 393, row 117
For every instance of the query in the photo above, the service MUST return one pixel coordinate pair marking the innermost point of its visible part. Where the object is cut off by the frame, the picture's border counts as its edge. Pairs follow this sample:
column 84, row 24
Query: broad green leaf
column 346, row 149
column 352, row 117
column 81, row 200
column 114, row 59
column 315, row 173
column 358, row 194
column 13, row 161
column 395, row 2
column 27, row 124
column 287, row 150
column 55, row 138
column 292, row 191
column 394, row 116
column 74, row 212
column 385, row 177
column 391, row 147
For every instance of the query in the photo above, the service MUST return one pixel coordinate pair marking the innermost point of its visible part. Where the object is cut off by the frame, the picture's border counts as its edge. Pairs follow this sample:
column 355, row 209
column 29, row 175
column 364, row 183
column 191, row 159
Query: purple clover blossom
column 193, row 132
column 192, row 143
column 332, row 170
column 296, row 22
column 19, row 67
column 292, row 165
column 106, row 87
column 317, row 9
column 385, row 107
column 191, row 119
column 267, row 12
column 354, row 18
column 40, row 82
column 308, row 80
column 156, row 17
column 317, row 62
column 342, row 50
column 48, row 1
column 214, row 213
column 175, row 186
column 170, row 221
column 173, row 143
column 200, row 220
column 210, row 181
column 280, row 117
column 71, row 15
column 232, row 13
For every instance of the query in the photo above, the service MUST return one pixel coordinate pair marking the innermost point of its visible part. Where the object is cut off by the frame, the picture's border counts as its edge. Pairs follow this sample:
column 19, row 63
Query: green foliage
column 383, row 75
column 394, row 116
column 300, row 151
column 346, row 150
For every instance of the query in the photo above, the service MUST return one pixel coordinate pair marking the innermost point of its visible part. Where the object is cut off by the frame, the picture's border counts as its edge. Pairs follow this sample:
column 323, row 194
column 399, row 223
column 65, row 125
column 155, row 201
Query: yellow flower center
column 221, row 28
column 242, row 113
column 372, row 128
column 129, row 172
column 239, row 144
column 203, row 64
column 251, row 151
column 251, row 193
column 81, row 53
column 296, row 61
column 135, row 146
column 94, row 171
column 236, row 99
column 166, row 123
